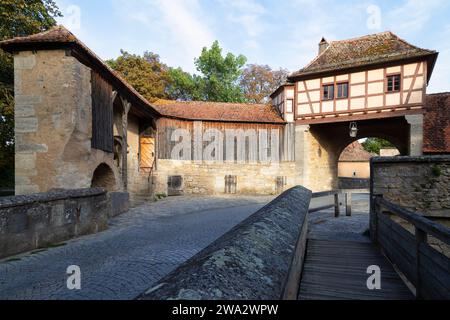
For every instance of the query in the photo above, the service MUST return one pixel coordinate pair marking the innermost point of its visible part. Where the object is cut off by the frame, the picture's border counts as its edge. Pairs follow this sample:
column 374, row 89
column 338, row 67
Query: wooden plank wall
column 166, row 126
column 102, row 114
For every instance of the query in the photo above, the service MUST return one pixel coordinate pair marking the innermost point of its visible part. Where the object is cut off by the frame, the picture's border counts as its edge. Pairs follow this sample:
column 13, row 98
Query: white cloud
column 176, row 29
column 248, row 16
column 186, row 25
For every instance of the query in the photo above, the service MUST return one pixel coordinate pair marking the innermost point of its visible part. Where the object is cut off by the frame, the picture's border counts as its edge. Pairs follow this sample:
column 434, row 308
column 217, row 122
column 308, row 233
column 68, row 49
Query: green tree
column 259, row 81
column 147, row 74
column 184, row 86
column 218, row 78
column 17, row 18
column 220, row 74
column 374, row 145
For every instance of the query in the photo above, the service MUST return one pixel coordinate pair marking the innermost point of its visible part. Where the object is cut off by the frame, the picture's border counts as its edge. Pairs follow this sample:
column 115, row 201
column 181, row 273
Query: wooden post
column 336, row 205
column 126, row 109
column 421, row 238
column 348, row 204
column 375, row 210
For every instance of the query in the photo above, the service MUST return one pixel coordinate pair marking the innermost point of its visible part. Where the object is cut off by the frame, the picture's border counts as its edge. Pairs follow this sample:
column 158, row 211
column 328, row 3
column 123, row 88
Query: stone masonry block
column 25, row 63
column 27, row 100
column 31, row 148
column 26, row 125
column 24, row 111
column 25, row 161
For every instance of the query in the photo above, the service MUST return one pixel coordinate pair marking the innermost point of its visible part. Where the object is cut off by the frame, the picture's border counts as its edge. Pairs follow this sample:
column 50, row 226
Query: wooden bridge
column 338, row 269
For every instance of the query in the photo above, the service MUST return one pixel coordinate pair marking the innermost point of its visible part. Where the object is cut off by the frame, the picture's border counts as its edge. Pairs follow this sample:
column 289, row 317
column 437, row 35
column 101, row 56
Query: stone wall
column 259, row 259
column 39, row 220
column 53, row 120
column 421, row 184
column 209, row 177
column 316, row 159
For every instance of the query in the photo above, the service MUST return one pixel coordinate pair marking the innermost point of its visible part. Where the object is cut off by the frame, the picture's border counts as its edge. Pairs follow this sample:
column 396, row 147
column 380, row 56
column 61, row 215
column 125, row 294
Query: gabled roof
column 59, row 37
column 218, row 111
column 355, row 152
column 370, row 50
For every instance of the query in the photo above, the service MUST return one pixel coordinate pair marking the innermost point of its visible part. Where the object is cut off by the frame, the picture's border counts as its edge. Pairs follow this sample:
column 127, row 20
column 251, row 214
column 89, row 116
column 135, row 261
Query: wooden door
column 147, row 153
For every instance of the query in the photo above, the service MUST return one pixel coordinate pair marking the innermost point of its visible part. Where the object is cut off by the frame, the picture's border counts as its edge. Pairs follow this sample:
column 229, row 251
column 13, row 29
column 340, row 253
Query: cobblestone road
column 138, row 249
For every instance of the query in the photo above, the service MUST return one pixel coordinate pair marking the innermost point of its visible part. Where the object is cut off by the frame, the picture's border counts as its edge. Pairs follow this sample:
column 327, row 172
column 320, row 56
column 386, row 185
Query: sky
column 279, row 33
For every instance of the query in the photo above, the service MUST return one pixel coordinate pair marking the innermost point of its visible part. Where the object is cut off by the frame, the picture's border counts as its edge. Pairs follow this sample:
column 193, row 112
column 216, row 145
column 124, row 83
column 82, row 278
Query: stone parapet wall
column 421, row 184
column 209, row 178
column 39, row 220
column 259, row 259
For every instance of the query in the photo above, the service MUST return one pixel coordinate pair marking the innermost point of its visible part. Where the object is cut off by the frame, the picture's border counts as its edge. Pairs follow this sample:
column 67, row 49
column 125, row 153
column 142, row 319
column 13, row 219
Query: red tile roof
column 219, row 111
column 356, row 153
column 59, row 37
column 437, row 123
column 368, row 50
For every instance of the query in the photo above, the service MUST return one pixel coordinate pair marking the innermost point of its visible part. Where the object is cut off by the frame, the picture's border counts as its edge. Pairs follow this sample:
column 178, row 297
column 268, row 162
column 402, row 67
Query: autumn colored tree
column 147, row 74
column 17, row 18
column 259, row 81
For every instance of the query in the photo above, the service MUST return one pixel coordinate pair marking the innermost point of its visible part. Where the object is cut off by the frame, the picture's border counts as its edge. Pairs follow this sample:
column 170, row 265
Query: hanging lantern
column 353, row 130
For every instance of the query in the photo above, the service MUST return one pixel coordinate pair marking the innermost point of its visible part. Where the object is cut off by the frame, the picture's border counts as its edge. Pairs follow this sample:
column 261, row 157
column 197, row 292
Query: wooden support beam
column 126, row 108
column 348, row 204
column 336, row 205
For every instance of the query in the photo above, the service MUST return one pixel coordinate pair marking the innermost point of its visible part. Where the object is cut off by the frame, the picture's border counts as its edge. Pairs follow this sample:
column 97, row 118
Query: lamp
column 353, row 130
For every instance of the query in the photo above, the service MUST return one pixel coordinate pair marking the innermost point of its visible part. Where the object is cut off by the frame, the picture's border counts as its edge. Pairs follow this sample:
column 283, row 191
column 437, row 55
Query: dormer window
column 393, row 83
column 328, row 92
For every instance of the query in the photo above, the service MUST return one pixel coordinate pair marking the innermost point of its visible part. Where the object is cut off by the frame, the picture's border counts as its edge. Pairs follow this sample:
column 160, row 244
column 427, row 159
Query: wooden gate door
column 147, row 153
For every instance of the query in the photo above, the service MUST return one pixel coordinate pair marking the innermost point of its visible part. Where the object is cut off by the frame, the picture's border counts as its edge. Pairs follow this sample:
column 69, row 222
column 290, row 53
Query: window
column 289, row 104
column 393, row 83
column 342, row 90
column 328, row 92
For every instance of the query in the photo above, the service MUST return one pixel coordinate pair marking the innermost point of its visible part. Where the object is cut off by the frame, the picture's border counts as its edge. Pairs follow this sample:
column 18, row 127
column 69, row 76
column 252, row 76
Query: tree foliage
column 184, row 86
column 17, row 18
column 374, row 145
column 219, row 80
column 147, row 74
column 259, row 81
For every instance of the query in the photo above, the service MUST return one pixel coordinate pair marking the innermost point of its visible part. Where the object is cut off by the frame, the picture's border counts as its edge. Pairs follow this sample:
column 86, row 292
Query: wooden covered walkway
column 336, row 269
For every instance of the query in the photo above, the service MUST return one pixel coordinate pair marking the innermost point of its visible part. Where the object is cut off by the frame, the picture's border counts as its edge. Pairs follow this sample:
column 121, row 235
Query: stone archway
column 103, row 177
column 323, row 144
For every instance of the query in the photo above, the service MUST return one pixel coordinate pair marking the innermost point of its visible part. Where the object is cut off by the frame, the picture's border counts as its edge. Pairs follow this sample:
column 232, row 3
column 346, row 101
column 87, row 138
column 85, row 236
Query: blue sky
column 282, row 33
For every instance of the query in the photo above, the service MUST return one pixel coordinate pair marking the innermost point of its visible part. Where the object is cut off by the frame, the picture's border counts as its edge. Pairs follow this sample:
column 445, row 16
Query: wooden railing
column 425, row 267
column 336, row 204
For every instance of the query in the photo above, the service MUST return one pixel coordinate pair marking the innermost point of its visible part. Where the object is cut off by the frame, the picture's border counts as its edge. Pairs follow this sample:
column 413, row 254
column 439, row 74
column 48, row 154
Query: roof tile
column 362, row 51
column 219, row 111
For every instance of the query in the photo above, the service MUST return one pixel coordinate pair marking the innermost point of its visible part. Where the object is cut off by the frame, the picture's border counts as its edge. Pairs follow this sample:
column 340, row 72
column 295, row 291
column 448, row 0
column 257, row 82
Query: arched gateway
column 85, row 114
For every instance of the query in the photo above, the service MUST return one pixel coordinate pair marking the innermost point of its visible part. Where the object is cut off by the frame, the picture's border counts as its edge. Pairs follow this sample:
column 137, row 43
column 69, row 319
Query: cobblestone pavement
column 323, row 224
column 139, row 248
